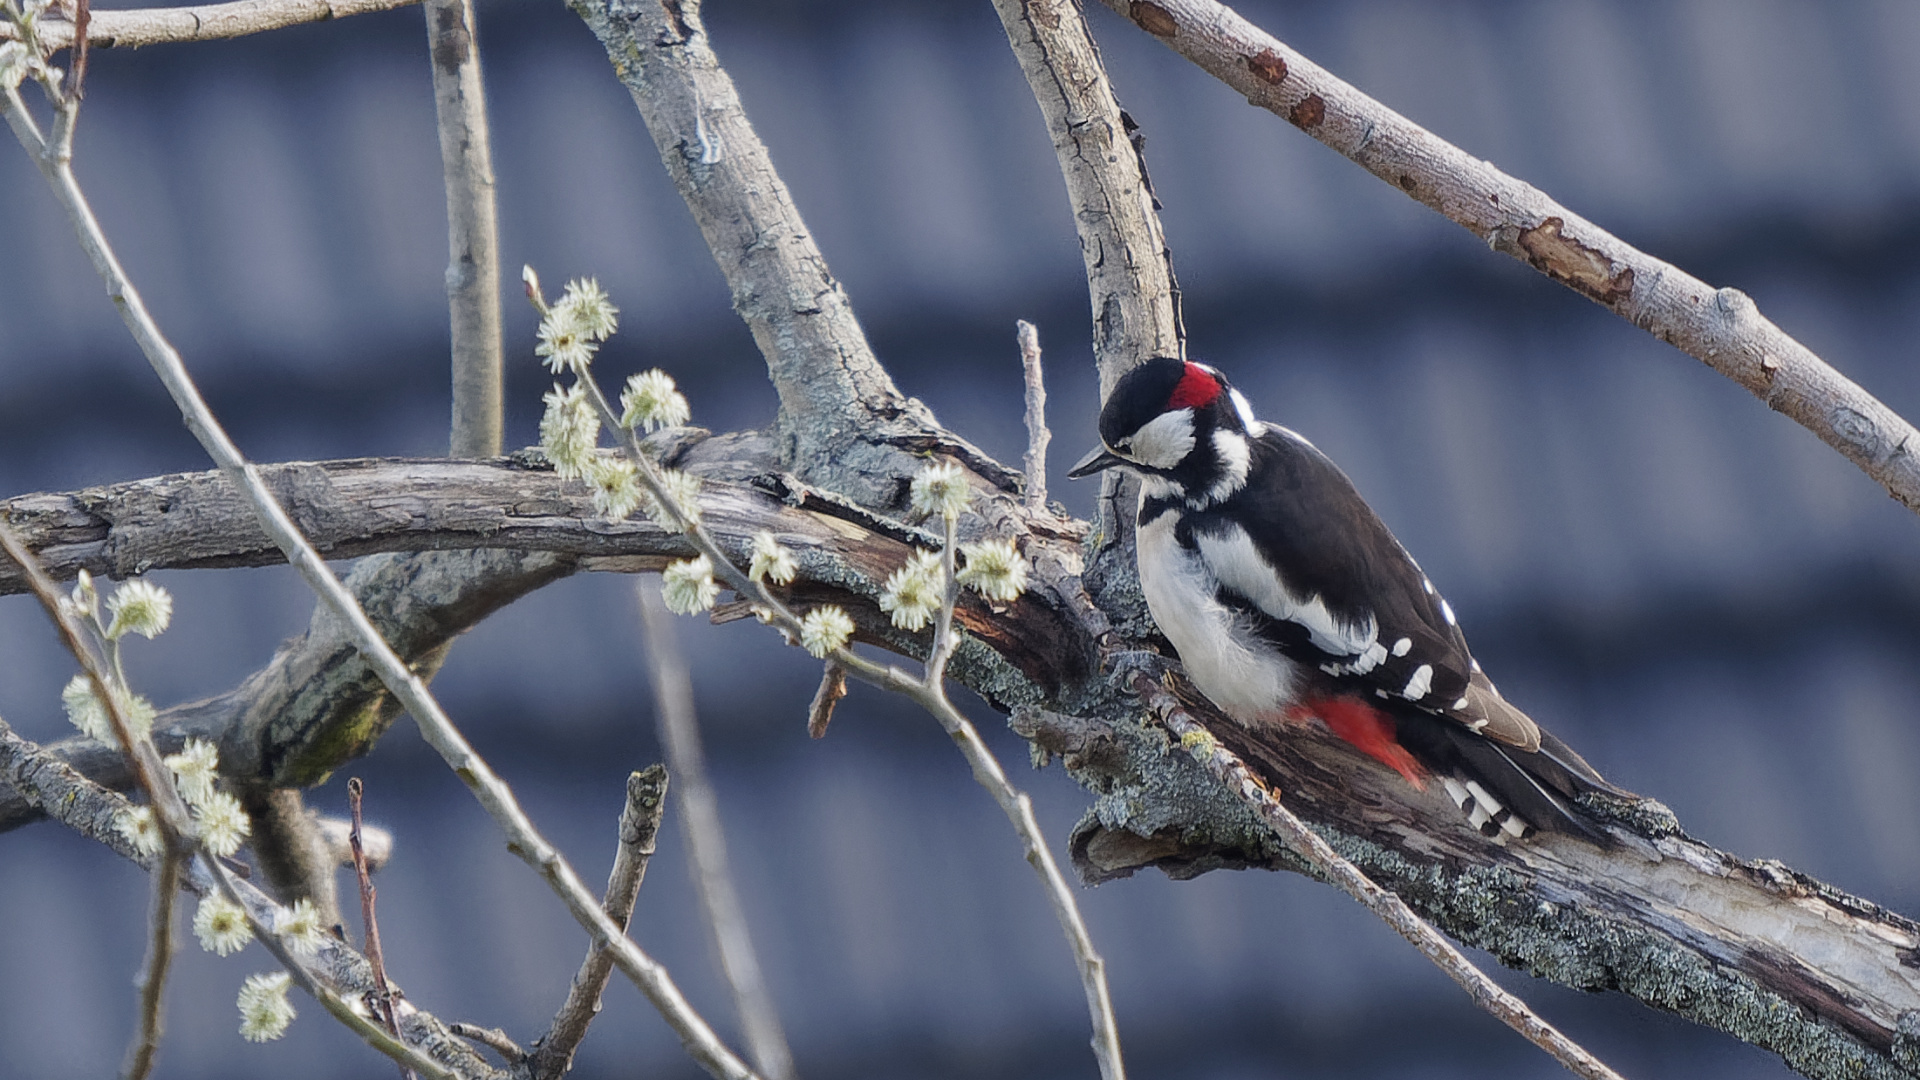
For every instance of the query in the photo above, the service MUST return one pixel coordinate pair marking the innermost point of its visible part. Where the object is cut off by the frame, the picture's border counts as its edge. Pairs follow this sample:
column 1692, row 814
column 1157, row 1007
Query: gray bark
column 1719, row 327
column 473, row 234
column 1749, row 947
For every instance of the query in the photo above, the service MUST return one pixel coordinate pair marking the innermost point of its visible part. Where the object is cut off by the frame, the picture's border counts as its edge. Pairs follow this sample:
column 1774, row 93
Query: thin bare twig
column 1720, row 327
column 1035, row 463
column 213, row 876
column 833, row 687
column 153, row 974
column 434, row 724
column 1234, row 774
column 1019, row 810
column 646, row 803
column 82, row 19
column 383, row 993
column 473, row 240
column 498, row 1041
column 679, row 727
column 944, row 639
column 202, row 22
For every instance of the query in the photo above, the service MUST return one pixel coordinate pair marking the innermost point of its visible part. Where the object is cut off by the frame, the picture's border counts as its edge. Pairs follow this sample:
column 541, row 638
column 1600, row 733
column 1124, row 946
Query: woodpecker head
column 1180, row 426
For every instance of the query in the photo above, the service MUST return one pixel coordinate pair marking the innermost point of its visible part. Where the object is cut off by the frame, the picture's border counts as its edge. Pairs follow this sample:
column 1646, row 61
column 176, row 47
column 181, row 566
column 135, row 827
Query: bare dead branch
column 82, row 20
column 1035, row 463
column 646, row 804
column 833, row 687
column 679, row 728
column 1226, row 767
column 1720, row 327
column 493, row 1038
column 153, row 972
column 383, row 993
column 317, row 704
column 473, row 235
column 1129, row 272
column 130, row 29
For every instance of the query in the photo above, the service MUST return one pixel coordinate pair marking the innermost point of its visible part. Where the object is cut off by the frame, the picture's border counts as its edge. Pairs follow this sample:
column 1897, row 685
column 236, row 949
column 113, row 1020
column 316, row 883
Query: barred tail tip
column 1484, row 812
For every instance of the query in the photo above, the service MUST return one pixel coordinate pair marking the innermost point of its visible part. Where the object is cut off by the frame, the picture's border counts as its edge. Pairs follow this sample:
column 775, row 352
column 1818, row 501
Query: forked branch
column 552, row 1053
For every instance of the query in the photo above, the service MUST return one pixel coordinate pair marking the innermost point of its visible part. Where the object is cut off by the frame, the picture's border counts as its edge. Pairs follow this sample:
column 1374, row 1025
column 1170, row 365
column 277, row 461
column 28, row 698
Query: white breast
column 1245, row 677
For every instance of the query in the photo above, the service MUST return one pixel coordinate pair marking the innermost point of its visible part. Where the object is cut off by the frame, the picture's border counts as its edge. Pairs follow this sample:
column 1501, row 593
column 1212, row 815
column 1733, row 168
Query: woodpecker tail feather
column 1503, row 789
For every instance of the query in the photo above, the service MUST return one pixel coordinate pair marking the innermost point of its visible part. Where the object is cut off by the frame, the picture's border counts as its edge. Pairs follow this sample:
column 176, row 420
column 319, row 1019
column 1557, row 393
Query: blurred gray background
column 1717, row 609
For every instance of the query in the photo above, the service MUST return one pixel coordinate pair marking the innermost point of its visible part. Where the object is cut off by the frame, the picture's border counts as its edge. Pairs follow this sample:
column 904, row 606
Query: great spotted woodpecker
column 1288, row 600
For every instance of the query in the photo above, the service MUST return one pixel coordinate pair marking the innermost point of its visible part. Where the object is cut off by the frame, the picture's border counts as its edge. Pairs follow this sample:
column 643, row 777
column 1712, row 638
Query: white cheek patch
column 1165, row 441
column 1236, row 457
column 1238, row 566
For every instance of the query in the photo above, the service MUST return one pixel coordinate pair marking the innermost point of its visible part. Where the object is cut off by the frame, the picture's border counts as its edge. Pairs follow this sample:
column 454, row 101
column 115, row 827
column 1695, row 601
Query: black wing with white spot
column 1302, row 555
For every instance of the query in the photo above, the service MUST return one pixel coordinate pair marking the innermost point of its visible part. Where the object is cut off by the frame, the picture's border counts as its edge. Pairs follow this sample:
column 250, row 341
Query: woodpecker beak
column 1101, row 459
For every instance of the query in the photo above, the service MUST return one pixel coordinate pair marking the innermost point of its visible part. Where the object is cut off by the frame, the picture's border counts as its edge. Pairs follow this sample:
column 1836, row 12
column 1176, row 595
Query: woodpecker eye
column 1122, row 446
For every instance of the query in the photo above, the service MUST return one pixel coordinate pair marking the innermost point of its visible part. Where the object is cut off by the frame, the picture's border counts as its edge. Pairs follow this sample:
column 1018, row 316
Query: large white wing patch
column 1237, row 565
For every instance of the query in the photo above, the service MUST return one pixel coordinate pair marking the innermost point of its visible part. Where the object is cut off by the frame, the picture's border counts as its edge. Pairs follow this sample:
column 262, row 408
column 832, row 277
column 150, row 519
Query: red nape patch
column 1370, row 731
column 1195, row 387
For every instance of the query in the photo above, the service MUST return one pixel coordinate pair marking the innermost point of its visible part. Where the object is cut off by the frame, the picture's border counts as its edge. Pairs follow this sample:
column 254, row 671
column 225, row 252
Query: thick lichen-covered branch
column 1751, row 948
